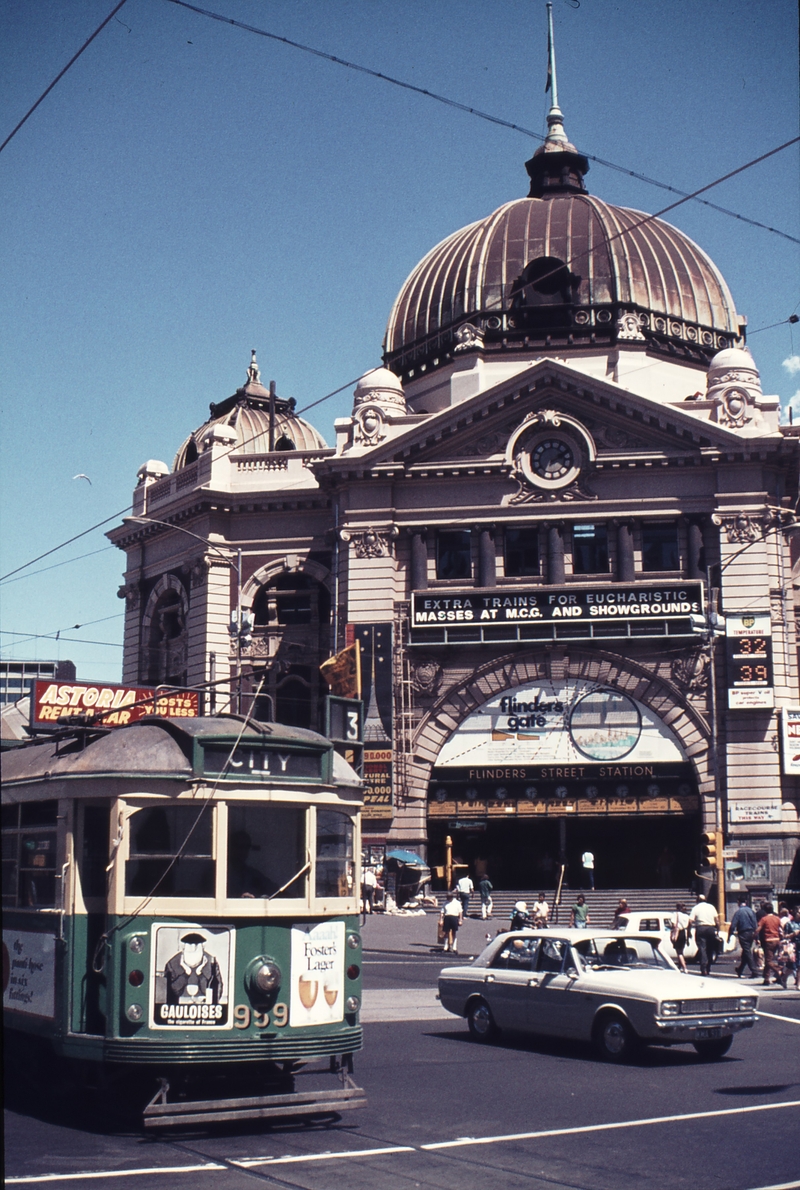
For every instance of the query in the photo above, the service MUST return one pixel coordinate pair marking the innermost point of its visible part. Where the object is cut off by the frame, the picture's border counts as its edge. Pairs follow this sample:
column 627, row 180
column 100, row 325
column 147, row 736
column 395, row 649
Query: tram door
column 91, row 857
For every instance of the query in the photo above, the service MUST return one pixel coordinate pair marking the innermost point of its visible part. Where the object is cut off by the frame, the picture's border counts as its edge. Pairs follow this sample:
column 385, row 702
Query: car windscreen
column 598, row 951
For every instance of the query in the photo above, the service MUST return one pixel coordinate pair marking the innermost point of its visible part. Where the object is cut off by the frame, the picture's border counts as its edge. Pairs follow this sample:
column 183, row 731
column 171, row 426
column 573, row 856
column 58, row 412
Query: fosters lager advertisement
column 317, row 974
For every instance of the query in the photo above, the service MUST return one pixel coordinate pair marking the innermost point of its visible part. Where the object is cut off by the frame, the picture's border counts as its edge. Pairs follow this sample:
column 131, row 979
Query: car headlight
column 671, row 1008
column 747, row 1003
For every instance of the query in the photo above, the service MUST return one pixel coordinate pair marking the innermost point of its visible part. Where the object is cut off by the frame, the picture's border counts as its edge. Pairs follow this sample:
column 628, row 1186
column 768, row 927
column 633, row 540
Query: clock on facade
column 552, row 459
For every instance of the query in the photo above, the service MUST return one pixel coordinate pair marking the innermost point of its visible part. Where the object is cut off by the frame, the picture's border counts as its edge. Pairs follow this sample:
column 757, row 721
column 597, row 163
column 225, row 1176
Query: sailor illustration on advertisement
column 192, row 974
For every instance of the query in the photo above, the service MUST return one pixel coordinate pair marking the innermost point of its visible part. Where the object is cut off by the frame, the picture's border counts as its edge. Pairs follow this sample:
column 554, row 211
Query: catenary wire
column 56, row 565
column 61, row 73
column 472, row 111
column 77, row 640
column 69, row 541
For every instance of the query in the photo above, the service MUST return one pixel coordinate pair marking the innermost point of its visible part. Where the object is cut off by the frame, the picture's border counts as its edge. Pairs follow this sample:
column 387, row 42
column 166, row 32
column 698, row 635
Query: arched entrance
column 536, row 759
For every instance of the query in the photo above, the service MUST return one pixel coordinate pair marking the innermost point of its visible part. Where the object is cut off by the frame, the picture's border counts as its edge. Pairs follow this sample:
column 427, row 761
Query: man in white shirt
column 464, row 888
column 704, row 920
column 587, row 859
column 540, row 912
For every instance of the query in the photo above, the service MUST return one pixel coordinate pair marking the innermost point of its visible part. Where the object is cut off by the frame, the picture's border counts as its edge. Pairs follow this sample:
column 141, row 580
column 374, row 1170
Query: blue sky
column 190, row 190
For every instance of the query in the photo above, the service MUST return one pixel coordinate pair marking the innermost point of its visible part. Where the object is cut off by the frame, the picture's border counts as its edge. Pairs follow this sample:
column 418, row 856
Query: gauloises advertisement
column 191, row 977
column 55, row 703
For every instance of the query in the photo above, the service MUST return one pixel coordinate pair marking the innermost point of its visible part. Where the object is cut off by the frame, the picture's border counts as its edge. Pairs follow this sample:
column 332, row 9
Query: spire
column 253, row 373
column 555, row 117
column 557, row 167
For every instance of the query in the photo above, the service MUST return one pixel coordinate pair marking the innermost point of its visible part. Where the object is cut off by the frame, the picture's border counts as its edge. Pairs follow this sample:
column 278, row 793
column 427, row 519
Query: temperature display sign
column 749, row 657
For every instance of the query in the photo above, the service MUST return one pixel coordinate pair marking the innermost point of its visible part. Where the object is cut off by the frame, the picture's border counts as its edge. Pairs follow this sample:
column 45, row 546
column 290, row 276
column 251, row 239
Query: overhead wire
column 57, row 565
column 472, row 111
column 61, row 73
column 69, row 541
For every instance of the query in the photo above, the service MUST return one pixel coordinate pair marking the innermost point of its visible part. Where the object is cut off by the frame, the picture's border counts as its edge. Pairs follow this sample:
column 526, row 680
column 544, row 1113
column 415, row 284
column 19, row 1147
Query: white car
column 616, row 989
column 657, row 921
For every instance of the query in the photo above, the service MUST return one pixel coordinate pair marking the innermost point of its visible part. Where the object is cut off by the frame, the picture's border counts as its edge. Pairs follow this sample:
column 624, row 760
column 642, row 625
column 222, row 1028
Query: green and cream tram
column 180, row 902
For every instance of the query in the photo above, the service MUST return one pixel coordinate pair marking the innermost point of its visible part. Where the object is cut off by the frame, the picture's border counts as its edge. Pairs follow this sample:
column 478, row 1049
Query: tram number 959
column 243, row 1015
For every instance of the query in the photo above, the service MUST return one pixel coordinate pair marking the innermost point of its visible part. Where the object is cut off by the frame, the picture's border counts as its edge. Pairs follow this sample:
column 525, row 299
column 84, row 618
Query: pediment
column 621, row 424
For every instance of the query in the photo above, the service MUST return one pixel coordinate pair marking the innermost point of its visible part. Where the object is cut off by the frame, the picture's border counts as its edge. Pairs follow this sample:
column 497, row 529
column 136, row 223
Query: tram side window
column 335, row 872
column 29, row 855
column 266, row 851
column 94, row 857
column 170, row 853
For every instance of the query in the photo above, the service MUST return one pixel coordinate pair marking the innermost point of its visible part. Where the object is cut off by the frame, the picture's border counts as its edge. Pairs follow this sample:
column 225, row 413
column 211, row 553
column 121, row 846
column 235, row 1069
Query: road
column 446, row 1113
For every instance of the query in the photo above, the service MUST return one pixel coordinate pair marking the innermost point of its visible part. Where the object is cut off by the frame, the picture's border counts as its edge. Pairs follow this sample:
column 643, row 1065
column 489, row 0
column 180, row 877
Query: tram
column 181, row 914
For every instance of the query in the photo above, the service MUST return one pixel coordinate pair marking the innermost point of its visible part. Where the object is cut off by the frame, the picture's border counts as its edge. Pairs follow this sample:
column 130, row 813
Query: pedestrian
column 540, row 912
column 485, row 887
column 792, row 932
column 579, row 914
column 465, row 889
column 704, row 919
column 678, row 928
column 520, row 919
column 369, row 882
column 619, row 920
column 743, row 925
column 453, row 917
column 769, row 935
column 587, row 860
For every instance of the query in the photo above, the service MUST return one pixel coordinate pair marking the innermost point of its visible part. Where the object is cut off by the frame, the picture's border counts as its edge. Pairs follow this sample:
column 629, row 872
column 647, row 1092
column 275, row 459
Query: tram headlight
column 268, row 977
column 352, row 1003
column 354, row 941
column 136, row 944
column 134, row 1012
column 263, row 978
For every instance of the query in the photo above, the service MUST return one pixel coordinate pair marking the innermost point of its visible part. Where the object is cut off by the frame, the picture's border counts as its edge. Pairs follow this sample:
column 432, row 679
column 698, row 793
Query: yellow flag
column 342, row 672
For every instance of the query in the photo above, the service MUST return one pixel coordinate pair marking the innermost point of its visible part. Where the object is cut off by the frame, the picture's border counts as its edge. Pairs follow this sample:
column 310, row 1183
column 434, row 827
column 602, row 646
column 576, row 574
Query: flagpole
column 552, row 84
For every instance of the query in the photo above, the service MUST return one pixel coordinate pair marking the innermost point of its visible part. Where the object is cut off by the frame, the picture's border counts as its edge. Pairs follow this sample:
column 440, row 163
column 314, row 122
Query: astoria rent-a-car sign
column 56, row 703
column 515, row 605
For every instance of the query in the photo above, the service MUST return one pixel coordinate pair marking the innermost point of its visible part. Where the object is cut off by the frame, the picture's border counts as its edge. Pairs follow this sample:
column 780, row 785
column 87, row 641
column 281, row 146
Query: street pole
column 719, row 826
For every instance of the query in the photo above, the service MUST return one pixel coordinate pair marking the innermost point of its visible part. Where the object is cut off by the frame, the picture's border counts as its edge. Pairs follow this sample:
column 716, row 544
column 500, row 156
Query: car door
column 551, row 1005
column 506, row 984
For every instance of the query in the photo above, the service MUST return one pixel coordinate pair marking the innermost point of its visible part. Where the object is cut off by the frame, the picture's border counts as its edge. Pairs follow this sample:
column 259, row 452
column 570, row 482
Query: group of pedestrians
column 778, row 935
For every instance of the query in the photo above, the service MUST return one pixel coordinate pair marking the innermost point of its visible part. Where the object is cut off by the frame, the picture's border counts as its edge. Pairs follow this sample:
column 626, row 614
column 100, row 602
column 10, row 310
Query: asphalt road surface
column 448, row 1114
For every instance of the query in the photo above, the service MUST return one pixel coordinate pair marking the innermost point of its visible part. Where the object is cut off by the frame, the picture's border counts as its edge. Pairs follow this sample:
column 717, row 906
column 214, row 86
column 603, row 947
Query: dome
column 560, row 269
column 381, row 388
column 258, row 430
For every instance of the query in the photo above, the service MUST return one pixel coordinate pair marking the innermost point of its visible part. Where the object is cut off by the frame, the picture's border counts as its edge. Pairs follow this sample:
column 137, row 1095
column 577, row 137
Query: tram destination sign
column 259, row 763
column 523, row 605
column 55, row 704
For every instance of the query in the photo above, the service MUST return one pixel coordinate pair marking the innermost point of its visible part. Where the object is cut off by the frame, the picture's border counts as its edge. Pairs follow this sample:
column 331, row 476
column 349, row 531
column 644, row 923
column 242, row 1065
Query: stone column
column 419, row 560
column 487, row 562
column 694, row 536
column 625, row 568
column 555, row 554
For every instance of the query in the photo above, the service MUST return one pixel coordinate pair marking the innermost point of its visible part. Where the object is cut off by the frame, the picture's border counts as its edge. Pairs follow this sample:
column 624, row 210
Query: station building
column 558, row 520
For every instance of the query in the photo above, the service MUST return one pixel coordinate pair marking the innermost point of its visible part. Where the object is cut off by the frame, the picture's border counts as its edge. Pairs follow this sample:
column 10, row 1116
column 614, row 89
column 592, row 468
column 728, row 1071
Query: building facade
column 559, row 521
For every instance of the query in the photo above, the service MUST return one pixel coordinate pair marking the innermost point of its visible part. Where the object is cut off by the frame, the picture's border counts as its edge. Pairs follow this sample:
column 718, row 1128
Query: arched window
column 292, row 598
column 285, row 443
column 165, row 643
column 546, row 281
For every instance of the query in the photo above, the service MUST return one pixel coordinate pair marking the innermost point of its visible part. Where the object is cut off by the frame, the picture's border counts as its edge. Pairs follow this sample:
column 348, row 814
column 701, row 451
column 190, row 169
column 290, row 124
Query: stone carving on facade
column 691, row 673
column 616, row 438
column 369, row 426
column 488, row 444
column 426, row 677
column 468, row 338
column 196, row 571
column 131, row 593
column 371, row 543
column 737, row 408
column 575, row 491
column 629, row 326
column 742, row 529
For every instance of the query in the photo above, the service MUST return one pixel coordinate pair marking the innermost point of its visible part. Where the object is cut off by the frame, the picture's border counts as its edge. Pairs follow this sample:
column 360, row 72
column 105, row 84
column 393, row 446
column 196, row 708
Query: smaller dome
column 733, row 365
column 152, row 469
column 382, row 388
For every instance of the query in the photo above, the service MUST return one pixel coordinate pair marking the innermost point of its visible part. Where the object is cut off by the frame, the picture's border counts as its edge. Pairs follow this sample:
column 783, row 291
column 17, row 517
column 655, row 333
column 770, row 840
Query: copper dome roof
column 561, row 270
column 247, row 413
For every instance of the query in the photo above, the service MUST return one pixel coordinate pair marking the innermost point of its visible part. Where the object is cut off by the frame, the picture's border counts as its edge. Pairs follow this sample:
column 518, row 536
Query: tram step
column 208, row 1111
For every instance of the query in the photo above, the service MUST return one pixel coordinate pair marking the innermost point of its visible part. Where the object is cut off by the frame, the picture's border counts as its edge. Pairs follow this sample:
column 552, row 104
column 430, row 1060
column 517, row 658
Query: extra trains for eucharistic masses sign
column 54, row 704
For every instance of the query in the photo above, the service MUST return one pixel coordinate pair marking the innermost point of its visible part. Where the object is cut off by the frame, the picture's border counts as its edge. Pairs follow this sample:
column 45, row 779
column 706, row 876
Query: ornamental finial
column 253, row 373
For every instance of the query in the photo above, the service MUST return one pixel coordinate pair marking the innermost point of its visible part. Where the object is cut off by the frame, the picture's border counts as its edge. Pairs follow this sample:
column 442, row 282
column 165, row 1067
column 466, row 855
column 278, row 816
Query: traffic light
column 711, row 852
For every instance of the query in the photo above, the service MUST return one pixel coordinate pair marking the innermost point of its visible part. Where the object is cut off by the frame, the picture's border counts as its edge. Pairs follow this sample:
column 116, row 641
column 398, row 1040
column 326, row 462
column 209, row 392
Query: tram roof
column 154, row 746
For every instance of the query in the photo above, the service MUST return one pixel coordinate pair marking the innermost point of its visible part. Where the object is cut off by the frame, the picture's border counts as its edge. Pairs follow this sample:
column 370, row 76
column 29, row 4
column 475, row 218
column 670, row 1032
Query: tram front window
column 266, row 851
column 334, row 854
column 170, row 853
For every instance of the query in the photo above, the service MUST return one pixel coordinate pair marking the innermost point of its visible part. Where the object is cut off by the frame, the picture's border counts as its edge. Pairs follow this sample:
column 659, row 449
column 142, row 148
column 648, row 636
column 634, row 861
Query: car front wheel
column 715, row 1049
column 480, row 1021
column 613, row 1037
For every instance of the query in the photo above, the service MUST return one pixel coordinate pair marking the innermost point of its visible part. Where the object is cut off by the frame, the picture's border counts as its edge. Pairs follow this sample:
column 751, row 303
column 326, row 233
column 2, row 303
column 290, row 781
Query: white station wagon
column 613, row 988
